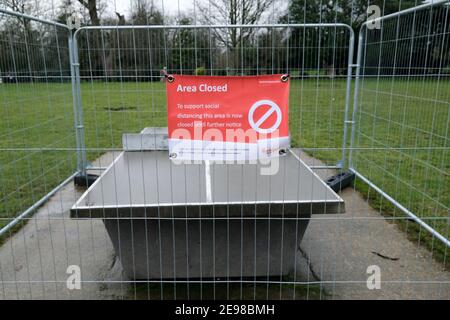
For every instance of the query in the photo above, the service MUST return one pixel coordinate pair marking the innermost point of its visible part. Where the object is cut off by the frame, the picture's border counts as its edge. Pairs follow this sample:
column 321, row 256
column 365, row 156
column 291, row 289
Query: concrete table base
column 168, row 249
column 251, row 223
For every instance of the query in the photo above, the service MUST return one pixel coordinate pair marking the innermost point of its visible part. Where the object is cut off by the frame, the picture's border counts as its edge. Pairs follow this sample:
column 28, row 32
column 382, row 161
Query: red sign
column 217, row 117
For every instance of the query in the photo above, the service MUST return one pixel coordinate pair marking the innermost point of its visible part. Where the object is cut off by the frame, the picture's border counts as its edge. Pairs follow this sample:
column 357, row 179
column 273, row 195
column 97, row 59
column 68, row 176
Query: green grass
column 402, row 132
column 222, row 291
column 409, row 122
column 33, row 116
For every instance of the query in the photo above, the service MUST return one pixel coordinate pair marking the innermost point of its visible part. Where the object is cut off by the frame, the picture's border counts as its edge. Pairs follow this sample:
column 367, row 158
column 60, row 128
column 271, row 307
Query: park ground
column 332, row 259
column 401, row 139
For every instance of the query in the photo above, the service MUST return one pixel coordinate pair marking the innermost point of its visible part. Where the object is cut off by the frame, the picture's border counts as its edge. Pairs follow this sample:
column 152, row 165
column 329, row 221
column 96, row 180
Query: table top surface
column 140, row 180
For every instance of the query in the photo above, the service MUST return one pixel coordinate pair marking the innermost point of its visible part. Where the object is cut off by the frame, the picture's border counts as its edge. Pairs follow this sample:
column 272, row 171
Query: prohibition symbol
column 257, row 125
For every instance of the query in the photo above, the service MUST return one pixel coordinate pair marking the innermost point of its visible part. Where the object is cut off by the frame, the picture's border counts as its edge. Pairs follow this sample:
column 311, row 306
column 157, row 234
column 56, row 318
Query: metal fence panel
column 121, row 72
column 36, row 129
column 67, row 100
column 401, row 114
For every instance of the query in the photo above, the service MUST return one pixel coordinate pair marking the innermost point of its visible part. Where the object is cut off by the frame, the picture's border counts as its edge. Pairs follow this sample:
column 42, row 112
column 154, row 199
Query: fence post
column 78, row 111
column 351, row 49
column 356, row 95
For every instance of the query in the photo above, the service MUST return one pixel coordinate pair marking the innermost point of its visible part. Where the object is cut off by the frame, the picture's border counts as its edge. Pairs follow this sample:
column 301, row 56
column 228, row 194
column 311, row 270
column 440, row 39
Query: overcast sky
column 170, row 7
column 173, row 7
column 50, row 8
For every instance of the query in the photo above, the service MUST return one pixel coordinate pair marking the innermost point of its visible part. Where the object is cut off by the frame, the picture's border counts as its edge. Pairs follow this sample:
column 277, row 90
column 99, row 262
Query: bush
column 201, row 71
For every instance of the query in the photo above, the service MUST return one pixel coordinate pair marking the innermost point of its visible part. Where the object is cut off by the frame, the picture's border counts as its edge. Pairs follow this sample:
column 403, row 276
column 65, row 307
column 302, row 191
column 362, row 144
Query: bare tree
column 91, row 6
column 232, row 12
column 121, row 18
column 97, row 64
column 22, row 6
column 145, row 12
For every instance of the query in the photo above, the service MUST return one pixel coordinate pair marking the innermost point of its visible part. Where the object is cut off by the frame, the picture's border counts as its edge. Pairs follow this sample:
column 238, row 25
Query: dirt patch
column 119, row 108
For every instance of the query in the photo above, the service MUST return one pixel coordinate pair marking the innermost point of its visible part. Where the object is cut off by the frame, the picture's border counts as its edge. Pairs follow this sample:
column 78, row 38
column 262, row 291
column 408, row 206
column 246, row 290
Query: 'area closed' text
column 203, row 88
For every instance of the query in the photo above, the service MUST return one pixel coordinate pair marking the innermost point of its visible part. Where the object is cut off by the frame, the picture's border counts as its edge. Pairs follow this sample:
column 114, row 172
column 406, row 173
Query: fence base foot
column 85, row 180
column 340, row 181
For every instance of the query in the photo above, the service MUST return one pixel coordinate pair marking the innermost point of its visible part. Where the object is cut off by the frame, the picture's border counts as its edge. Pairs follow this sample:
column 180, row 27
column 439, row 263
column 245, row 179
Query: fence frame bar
column 366, row 180
column 402, row 208
column 80, row 165
column 26, row 16
column 36, row 205
column 351, row 44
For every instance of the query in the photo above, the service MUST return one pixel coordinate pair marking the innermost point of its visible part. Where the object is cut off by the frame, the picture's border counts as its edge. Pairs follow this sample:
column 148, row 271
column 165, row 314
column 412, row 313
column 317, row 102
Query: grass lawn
column 402, row 134
column 232, row 291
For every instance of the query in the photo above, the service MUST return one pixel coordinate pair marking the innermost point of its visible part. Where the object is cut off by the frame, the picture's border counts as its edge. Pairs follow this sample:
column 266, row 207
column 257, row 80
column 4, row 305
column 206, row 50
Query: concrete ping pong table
column 204, row 220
